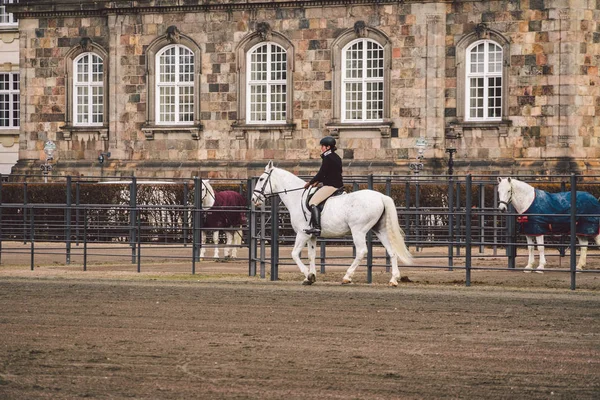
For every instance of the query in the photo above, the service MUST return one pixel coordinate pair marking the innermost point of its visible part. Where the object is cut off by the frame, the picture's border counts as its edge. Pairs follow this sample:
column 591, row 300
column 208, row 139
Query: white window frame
column 269, row 85
column 364, row 81
column 492, row 69
column 93, row 107
column 178, row 86
column 7, row 19
column 14, row 100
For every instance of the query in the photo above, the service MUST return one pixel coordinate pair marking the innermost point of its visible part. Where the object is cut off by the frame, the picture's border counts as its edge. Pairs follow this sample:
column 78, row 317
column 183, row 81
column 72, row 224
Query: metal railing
column 458, row 214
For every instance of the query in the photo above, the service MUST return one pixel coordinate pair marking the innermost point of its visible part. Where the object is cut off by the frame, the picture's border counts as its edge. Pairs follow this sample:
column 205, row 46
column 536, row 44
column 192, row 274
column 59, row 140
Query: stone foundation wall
column 552, row 98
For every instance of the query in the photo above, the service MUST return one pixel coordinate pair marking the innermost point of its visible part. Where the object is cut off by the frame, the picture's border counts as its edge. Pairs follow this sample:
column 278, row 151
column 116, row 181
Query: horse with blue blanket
column 544, row 213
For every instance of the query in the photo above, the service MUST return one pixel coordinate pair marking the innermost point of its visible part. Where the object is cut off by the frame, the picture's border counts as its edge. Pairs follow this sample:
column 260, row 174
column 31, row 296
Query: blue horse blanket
column 546, row 204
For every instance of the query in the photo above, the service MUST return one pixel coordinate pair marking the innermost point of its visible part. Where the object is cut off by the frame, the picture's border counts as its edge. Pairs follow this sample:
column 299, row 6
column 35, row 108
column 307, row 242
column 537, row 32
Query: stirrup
column 313, row 231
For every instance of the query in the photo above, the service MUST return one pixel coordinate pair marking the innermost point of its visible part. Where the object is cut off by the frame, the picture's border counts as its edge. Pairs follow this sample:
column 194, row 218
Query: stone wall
column 551, row 123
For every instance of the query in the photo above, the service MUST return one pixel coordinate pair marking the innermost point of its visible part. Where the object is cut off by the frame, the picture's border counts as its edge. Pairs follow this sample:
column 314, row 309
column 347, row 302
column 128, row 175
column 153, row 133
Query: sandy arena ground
column 163, row 333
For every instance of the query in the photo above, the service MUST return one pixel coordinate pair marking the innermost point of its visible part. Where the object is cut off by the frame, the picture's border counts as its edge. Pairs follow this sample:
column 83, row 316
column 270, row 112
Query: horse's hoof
column 539, row 271
column 393, row 284
column 307, row 282
column 312, row 278
column 346, row 281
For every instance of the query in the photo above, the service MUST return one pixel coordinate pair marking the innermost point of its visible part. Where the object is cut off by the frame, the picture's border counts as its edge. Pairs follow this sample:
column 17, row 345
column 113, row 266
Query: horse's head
column 505, row 193
column 263, row 186
column 208, row 194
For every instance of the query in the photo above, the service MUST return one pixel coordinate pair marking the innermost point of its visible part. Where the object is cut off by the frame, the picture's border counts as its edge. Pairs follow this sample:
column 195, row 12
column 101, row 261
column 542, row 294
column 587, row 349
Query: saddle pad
column 560, row 203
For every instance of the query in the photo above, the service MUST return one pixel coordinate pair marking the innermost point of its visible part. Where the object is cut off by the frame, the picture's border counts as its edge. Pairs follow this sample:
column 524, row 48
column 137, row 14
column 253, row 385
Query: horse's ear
column 499, row 179
column 508, row 179
column 269, row 166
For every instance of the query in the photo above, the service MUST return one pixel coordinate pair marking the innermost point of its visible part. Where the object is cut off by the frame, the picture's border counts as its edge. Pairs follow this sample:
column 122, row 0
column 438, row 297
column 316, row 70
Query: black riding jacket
column 330, row 173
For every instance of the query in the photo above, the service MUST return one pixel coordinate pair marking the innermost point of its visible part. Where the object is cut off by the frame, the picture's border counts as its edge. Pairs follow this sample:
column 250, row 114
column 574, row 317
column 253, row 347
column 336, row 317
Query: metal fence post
column 263, row 239
column 370, row 240
column 388, row 192
column 251, row 235
column 573, row 246
column 197, row 216
column 275, row 238
column 511, row 228
column 186, row 215
column 132, row 217
column 77, row 211
column 68, row 221
column 450, row 222
column 468, row 231
column 85, row 226
column 32, row 237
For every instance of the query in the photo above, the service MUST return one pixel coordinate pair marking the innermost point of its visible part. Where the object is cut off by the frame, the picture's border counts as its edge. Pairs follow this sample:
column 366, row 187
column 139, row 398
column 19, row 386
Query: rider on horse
column 330, row 175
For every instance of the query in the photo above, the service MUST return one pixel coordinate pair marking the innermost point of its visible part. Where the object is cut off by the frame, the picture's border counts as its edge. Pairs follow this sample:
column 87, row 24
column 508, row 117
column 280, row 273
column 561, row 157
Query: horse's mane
column 288, row 173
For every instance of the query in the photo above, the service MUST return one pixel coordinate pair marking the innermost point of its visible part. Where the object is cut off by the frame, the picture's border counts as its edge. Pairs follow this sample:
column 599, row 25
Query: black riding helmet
column 328, row 141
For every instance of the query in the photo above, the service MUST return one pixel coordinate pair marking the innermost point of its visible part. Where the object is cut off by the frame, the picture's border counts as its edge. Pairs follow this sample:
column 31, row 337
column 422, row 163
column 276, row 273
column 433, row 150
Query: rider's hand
column 306, row 185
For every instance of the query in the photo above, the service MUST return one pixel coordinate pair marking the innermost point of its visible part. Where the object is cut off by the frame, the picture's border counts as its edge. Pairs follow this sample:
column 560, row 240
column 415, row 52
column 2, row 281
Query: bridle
column 261, row 192
column 507, row 203
column 207, row 192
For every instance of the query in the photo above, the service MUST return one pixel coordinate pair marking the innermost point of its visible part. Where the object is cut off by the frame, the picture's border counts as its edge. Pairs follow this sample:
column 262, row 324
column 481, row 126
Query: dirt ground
column 163, row 333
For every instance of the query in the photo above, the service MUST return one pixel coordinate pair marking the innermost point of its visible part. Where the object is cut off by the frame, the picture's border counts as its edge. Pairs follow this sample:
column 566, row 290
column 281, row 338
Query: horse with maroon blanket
column 227, row 213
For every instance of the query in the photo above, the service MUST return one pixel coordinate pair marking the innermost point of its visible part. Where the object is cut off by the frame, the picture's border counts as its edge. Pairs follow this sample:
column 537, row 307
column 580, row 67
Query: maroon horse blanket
column 224, row 213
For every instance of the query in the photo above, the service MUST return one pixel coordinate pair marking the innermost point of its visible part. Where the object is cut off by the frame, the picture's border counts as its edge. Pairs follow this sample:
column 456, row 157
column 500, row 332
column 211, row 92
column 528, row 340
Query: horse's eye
column 260, row 179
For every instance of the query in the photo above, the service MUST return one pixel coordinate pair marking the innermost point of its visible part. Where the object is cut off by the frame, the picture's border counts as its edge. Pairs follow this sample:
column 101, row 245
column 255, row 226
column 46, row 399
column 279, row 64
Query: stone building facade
column 218, row 88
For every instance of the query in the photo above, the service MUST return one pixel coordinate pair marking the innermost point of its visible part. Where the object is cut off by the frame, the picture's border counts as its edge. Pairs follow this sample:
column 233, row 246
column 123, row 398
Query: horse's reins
column 273, row 194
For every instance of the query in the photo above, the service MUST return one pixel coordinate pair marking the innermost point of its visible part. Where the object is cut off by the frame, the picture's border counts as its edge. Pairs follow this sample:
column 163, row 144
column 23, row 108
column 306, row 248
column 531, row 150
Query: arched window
column 175, row 86
column 266, row 100
column 86, row 107
column 483, row 82
column 88, row 90
column 174, row 65
column 361, row 63
column 362, row 81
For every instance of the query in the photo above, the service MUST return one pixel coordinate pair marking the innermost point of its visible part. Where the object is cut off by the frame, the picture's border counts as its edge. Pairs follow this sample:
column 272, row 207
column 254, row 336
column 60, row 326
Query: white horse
column 522, row 196
column 355, row 213
column 231, row 215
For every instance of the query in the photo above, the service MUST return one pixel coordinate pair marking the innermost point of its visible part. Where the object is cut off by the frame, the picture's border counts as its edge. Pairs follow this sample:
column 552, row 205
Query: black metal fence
column 455, row 213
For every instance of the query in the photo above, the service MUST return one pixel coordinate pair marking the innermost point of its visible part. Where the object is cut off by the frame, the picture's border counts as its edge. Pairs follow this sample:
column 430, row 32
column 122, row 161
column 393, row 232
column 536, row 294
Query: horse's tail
column 395, row 232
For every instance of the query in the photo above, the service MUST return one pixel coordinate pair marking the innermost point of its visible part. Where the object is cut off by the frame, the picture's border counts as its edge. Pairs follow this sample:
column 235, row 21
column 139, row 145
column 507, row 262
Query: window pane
column 354, row 61
column 258, row 103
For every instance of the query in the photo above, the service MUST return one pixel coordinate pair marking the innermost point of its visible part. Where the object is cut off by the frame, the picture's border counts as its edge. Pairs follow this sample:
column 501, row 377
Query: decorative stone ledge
column 500, row 126
column 69, row 130
column 384, row 128
column 241, row 129
column 193, row 130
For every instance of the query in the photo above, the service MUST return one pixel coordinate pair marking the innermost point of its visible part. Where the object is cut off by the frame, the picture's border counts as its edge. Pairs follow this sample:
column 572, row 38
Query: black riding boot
column 315, row 221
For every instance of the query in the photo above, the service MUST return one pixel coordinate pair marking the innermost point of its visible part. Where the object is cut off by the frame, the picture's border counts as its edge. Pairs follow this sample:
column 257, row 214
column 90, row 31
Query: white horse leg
column 312, row 255
column 393, row 256
column 583, row 242
column 301, row 239
column 228, row 243
column 530, row 250
column 216, row 242
column 237, row 241
column 360, row 243
column 540, row 247
column 203, row 241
